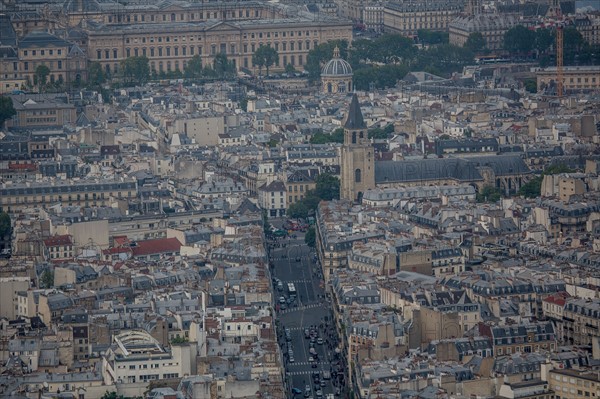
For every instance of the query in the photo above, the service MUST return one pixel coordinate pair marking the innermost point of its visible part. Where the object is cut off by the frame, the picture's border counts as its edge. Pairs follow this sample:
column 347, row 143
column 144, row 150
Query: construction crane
column 559, row 61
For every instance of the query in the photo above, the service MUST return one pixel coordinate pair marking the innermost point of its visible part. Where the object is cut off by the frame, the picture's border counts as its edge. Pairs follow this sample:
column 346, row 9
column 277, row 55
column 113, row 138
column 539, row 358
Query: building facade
column 169, row 46
column 407, row 18
column 575, row 78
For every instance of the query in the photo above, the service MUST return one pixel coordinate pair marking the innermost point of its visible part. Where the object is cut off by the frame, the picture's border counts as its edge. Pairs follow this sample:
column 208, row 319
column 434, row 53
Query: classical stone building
column 171, row 37
column 358, row 164
column 575, row 78
column 66, row 61
column 407, row 18
column 336, row 75
column 491, row 26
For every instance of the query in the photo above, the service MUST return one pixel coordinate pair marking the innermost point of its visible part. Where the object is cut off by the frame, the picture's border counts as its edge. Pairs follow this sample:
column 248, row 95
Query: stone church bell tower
column 358, row 164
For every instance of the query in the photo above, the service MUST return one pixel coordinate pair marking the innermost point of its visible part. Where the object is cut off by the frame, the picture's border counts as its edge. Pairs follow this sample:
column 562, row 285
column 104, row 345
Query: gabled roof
column 354, row 120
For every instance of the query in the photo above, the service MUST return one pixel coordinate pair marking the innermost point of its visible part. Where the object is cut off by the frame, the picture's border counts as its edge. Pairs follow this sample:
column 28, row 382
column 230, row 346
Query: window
column 357, row 176
column 115, row 53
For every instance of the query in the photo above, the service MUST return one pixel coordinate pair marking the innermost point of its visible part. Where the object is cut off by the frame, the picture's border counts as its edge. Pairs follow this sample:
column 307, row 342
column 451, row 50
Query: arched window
column 353, row 137
column 341, row 87
column 172, row 17
column 357, row 176
column 329, row 88
column 360, row 135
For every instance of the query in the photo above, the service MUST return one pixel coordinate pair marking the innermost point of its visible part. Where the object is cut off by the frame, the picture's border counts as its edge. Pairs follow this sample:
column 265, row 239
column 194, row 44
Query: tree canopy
column 264, row 56
column 5, row 225
column 432, row 37
column 96, row 76
column 327, row 188
column 47, row 279
column 193, row 68
column 41, row 77
column 337, row 136
column 475, row 42
column 310, row 237
column 519, row 40
column 7, row 110
column 135, row 70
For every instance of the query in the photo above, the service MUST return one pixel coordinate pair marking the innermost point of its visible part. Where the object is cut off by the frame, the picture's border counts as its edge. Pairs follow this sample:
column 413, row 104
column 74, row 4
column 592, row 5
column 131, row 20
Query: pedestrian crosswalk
column 301, row 308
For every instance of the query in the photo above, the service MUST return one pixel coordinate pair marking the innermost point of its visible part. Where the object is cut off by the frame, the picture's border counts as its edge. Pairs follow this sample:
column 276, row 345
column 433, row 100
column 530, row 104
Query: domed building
column 336, row 75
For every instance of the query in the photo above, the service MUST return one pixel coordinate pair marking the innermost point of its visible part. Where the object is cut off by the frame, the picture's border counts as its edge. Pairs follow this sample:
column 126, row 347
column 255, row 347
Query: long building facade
column 170, row 46
column 409, row 17
column 169, row 36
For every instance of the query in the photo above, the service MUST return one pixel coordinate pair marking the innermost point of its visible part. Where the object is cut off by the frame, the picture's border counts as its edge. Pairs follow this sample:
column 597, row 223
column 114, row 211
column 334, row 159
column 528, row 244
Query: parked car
column 296, row 391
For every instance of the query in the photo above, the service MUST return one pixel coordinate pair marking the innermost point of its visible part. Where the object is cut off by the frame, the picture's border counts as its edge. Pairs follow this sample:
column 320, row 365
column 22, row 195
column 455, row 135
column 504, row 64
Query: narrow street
column 304, row 323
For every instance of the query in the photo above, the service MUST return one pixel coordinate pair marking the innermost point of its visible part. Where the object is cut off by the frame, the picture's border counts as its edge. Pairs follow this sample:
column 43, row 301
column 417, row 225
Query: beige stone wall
column 170, row 47
column 9, row 286
column 408, row 23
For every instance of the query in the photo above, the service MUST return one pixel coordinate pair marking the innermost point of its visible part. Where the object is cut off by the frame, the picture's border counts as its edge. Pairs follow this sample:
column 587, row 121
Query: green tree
column 475, row 42
column 519, row 40
column 264, row 56
column 310, row 237
column 327, row 187
column 444, row 59
column 5, row 225
column 432, row 37
column 298, row 210
column 244, row 104
column 179, row 340
column 41, row 77
column 337, row 136
column 135, row 70
column 573, row 43
column 489, row 194
column 96, row 75
column 47, row 279
column 531, row 189
column 381, row 133
column 380, row 77
column 544, row 39
column 222, row 66
column 530, row 85
column 290, row 70
column 7, row 109
column 193, row 68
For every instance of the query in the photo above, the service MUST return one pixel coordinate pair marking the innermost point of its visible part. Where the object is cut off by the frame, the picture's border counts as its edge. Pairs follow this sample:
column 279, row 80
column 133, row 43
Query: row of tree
column 382, row 62
column 337, row 136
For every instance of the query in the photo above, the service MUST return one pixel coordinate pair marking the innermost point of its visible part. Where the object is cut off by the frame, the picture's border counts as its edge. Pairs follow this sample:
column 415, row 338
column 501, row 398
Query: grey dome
column 337, row 66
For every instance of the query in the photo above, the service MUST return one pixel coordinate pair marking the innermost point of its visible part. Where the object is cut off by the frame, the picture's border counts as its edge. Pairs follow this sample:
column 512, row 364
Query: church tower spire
column 358, row 165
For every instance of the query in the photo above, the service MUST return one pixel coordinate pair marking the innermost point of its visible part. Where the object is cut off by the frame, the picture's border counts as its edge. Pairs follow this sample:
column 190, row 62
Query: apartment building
column 273, row 198
column 581, row 321
column 135, row 356
column 15, row 197
column 574, row 384
column 408, row 17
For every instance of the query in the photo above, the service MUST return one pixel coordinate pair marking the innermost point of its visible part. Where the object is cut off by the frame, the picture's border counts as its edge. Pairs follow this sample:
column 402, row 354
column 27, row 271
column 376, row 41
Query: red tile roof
column 158, row 246
column 21, row 166
column 56, row 241
column 558, row 299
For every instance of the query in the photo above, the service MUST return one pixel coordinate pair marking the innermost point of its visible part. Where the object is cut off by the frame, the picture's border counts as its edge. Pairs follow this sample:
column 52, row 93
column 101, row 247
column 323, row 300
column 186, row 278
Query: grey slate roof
column 459, row 169
column 42, row 39
column 355, row 118
column 425, row 170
